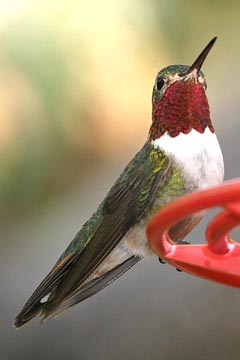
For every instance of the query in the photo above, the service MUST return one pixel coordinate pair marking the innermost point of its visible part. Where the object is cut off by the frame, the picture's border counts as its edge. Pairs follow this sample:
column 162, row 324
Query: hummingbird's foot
column 161, row 261
column 182, row 242
column 177, row 243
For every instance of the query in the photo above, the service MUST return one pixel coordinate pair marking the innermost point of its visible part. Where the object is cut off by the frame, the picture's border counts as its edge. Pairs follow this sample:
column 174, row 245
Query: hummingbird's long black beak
column 200, row 59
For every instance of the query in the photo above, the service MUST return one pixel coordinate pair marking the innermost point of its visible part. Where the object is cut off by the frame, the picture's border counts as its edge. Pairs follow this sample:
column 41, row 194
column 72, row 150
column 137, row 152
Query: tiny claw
column 182, row 242
column 161, row 261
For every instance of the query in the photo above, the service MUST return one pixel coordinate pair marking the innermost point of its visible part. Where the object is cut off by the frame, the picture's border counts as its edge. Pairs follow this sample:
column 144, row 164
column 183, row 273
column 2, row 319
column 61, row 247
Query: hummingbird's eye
column 160, row 83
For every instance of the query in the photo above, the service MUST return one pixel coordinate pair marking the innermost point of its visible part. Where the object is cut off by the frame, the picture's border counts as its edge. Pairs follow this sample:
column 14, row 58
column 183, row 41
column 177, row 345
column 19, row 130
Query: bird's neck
column 183, row 107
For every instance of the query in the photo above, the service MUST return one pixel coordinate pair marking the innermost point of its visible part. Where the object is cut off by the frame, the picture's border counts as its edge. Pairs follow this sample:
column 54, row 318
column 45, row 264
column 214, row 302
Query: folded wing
column 122, row 208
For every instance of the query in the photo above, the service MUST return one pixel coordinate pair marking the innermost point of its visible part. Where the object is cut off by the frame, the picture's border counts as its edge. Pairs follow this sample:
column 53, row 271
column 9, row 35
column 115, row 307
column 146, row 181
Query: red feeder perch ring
column 219, row 259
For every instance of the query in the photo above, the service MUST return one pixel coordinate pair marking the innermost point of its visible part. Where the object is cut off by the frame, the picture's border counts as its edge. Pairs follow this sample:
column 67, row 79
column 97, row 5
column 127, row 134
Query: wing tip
column 27, row 314
column 20, row 321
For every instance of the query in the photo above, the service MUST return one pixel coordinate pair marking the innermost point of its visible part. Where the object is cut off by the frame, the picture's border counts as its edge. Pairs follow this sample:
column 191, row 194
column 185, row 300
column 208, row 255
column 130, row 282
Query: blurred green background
column 75, row 106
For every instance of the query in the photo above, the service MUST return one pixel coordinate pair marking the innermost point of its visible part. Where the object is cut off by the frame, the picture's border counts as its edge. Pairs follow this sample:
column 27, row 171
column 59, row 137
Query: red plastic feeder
column 219, row 259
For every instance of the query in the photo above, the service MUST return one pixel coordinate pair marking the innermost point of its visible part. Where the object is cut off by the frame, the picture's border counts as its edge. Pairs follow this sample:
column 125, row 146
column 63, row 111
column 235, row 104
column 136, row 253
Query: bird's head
column 179, row 102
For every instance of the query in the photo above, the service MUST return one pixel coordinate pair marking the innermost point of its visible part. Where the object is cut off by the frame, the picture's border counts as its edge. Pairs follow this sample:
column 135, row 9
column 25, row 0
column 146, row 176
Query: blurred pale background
column 75, row 106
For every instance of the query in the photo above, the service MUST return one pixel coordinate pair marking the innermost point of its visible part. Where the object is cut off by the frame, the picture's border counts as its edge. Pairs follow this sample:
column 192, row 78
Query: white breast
column 198, row 155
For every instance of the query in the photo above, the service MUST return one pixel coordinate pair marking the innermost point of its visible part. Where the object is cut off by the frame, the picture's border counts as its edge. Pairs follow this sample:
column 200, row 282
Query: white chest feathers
column 198, row 155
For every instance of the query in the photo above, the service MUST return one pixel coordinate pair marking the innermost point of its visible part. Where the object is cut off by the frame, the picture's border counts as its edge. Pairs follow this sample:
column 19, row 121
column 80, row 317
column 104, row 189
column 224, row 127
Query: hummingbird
column 181, row 154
